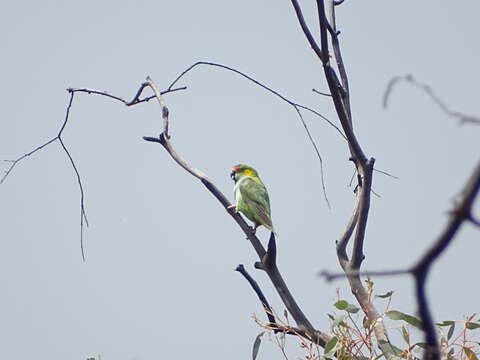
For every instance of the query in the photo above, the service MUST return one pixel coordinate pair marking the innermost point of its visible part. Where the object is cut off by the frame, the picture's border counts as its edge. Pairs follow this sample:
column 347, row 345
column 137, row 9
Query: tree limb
column 268, row 262
column 358, row 220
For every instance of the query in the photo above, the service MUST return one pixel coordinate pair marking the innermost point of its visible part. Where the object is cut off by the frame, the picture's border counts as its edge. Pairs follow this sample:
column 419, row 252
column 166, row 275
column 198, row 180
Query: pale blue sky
column 159, row 279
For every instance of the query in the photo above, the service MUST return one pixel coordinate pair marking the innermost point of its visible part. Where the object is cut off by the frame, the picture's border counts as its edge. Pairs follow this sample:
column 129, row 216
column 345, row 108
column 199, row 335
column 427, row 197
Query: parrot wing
column 256, row 197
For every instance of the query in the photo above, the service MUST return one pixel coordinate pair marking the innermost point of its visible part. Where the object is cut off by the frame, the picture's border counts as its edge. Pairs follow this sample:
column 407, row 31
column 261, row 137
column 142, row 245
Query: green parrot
column 251, row 196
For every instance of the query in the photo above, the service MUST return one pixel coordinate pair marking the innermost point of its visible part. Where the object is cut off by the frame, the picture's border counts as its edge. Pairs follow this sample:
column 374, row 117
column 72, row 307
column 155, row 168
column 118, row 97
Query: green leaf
column 423, row 345
column 394, row 315
column 470, row 354
column 446, row 323
column 405, row 334
column 330, row 345
column 256, row 345
column 386, row 295
column 450, row 331
column 352, row 309
column 397, row 315
column 414, row 321
column 472, row 325
column 388, row 348
column 341, row 305
column 344, row 305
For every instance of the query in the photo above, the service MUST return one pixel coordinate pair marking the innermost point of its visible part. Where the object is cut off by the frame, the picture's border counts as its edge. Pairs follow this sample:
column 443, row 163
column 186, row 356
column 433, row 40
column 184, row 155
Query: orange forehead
column 238, row 169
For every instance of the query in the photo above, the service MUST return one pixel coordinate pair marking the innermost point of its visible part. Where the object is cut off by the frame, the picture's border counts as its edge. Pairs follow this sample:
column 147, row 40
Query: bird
column 251, row 196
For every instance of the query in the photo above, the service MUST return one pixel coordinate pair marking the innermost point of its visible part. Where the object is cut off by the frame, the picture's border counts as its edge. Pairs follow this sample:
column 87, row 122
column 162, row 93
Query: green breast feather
column 252, row 200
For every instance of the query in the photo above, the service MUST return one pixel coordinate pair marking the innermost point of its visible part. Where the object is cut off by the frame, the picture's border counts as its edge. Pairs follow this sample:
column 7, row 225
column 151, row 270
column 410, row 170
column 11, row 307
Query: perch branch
column 268, row 262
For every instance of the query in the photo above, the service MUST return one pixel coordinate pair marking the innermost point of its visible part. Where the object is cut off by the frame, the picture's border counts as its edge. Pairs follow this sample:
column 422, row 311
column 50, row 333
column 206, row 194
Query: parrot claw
column 232, row 209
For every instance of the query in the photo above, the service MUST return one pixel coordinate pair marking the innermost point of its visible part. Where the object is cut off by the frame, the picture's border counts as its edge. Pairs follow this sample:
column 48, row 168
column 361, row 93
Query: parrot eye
column 232, row 175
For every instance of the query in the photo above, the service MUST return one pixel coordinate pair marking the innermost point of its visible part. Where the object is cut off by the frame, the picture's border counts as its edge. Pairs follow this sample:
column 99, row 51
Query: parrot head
column 241, row 170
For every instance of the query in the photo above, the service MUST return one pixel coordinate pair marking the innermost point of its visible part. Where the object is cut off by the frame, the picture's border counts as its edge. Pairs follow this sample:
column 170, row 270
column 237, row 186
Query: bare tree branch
column 474, row 221
column 462, row 118
column 136, row 99
column 306, row 30
column 338, row 57
column 72, row 91
column 320, row 93
column 331, row 276
column 266, row 306
column 358, row 220
column 83, row 214
column 267, row 259
column 461, row 213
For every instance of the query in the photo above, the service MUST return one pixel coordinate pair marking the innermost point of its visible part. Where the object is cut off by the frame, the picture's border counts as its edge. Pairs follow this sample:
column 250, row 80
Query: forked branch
column 356, row 226
column 267, row 259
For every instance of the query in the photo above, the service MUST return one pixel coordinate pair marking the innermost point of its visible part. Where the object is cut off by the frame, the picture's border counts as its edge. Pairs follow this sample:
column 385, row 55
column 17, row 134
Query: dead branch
column 357, row 223
column 266, row 306
column 462, row 118
column 58, row 136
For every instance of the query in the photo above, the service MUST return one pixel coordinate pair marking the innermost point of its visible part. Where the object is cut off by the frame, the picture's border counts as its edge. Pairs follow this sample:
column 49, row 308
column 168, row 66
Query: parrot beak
column 234, row 171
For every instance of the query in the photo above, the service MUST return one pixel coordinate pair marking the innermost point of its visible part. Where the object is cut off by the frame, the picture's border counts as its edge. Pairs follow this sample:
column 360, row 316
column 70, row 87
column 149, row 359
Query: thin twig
column 329, row 276
column 387, row 174
column 136, row 100
column 58, row 137
column 462, row 118
column 321, row 93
